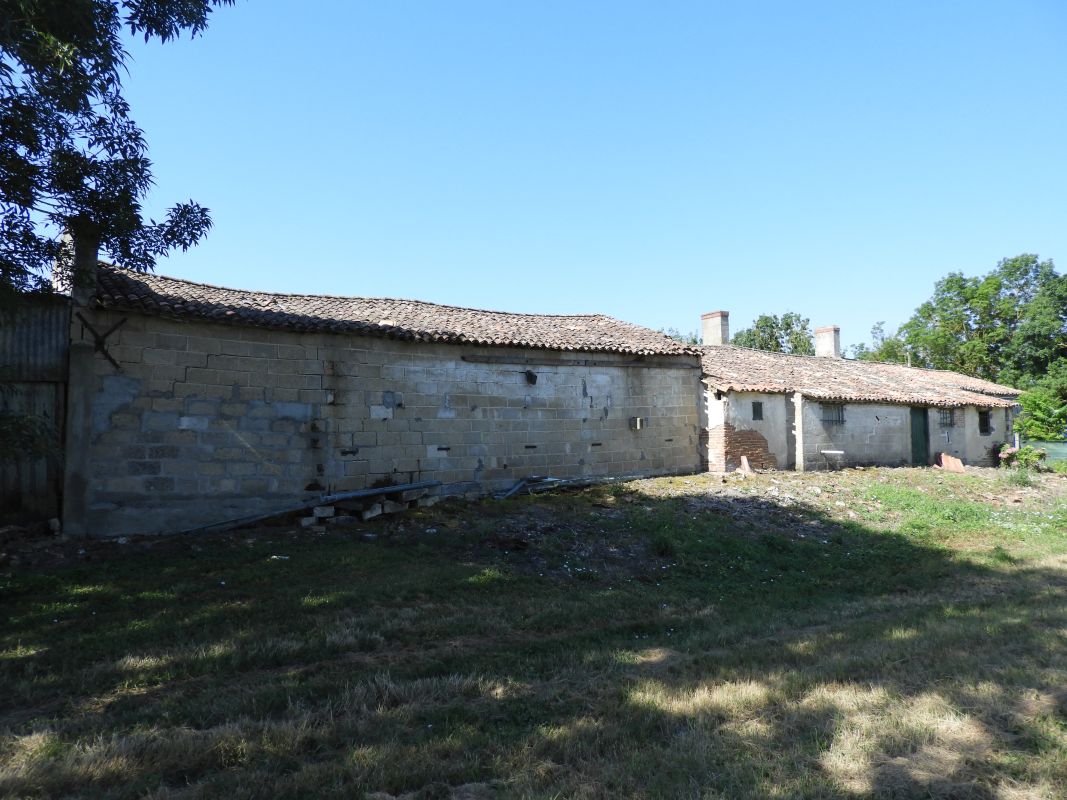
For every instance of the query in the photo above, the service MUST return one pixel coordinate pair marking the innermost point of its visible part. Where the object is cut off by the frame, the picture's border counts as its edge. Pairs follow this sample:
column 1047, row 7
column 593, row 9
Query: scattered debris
column 949, row 463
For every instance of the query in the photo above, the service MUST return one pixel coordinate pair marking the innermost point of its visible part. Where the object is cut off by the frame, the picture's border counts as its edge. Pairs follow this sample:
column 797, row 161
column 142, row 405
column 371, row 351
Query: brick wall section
column 207, row 421
column 737, row 443
column 726, row 444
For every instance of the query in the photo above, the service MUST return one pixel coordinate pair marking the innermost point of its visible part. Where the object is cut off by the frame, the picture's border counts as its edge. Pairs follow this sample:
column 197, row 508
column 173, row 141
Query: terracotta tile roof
column 730, row 368
column 397, row 319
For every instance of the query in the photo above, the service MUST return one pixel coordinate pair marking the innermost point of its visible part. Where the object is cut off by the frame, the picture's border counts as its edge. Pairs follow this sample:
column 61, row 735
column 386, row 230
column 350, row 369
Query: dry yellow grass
column 892, row 658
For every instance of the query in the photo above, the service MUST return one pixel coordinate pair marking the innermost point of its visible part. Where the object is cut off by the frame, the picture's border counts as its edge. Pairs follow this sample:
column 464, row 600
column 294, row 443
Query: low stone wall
column 205, row 421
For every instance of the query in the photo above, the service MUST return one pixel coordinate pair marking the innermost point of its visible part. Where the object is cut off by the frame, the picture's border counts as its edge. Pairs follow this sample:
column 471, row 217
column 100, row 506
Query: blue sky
column 651, row 161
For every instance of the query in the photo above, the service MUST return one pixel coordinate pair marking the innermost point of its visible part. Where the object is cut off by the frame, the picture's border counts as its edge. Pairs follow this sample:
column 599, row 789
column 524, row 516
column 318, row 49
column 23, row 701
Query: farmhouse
column 183, row 405
column 824, row 411
column 203, row 403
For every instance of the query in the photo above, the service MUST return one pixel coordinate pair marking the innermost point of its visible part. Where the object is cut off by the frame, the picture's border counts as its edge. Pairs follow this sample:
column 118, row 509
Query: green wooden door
column 920, row 437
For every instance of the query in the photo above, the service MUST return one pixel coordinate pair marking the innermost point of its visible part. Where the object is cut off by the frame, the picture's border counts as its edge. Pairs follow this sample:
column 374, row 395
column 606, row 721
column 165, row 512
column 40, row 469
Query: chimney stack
column 828, row 342
column 715, row 327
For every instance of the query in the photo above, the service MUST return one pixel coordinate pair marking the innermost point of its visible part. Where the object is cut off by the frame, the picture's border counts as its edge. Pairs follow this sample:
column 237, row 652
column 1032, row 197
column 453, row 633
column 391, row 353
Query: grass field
column 878, row 633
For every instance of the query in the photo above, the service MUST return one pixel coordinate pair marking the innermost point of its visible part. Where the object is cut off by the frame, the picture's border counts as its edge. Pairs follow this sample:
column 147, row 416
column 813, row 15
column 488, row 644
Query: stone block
column 371, row 511
column 123, row 485
column 307, row 522
column 158, row 420
column 345, row 521
column 323, row 511
column 193, row 423
column 426, row 502
column 392, row 507
column 380, row 412
column 152, row 355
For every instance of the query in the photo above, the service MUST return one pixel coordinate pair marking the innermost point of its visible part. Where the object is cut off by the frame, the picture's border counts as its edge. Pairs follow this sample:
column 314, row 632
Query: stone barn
column 192, row 404
column 824, row 411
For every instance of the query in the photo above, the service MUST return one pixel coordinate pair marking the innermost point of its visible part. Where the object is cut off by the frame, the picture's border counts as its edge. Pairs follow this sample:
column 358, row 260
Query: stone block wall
column 872, row 434
column 982, row 449
column 205, row 421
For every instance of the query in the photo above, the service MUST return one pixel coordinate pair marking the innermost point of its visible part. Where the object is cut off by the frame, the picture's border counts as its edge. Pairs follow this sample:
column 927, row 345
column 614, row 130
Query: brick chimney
column 715, row 327
column 828, row 342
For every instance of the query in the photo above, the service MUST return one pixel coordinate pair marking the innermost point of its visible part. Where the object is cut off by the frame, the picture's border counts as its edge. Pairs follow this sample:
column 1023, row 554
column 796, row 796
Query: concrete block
column 371, row 511
column 343, row 521
column 323, row 511
column 391, row 507
column 426, row 502
column 408, row 495
column 152, row 355
column 193, row 423
column 307, row 522
column 157, row 420
column 380, row 412
column 158, row 484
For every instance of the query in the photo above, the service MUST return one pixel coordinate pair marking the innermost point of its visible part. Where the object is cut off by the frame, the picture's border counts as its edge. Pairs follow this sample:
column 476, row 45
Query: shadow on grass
column 596, row 644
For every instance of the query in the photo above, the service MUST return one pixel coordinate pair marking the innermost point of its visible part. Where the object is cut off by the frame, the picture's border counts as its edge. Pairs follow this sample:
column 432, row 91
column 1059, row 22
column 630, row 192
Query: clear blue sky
column 648, row 160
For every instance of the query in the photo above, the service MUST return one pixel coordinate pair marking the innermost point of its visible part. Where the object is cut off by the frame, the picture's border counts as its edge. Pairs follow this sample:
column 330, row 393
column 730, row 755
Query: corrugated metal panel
column 33, row 485
column 34, row 347
column 34, row 342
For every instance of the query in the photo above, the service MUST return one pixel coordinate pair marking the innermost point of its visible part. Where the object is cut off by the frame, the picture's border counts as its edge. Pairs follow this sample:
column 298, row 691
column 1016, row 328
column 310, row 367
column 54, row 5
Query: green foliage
column 1020, row 476
column 685, row 338
column 71, row 157
column 1059, row 467
column 790, row 333
column 1008, row 326
column 1044, row 416
column 884, row 347
column 1030, row 457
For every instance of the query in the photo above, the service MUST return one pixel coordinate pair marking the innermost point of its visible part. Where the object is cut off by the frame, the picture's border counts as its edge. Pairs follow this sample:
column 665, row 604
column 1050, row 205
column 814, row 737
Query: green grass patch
column 670, row 638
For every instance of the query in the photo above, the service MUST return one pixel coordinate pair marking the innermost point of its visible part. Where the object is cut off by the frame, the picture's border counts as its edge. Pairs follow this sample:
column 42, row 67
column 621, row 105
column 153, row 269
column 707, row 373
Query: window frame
column 946, row 417
column 832, row 413
column 985, row 422
column 757, row 411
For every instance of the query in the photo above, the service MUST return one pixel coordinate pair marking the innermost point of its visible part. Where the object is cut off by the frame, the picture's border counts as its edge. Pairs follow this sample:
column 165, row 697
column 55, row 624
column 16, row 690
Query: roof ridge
column 863, row 361
column 124, row 270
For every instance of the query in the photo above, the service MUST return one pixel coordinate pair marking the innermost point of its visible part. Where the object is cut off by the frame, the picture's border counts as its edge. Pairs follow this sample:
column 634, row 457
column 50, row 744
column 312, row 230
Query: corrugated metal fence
column 34, row 347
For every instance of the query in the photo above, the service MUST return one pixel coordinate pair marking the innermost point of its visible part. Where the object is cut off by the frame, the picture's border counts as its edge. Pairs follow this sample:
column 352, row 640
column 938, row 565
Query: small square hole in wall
column 757, row 409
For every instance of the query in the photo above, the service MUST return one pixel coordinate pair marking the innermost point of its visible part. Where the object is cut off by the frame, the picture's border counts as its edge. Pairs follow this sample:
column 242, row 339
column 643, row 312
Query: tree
column 72, row 160
column 71, row 157
column 1008, row 326
column 790, row 333
column 685, row 338
column 1044, row 416
column 884, row 347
